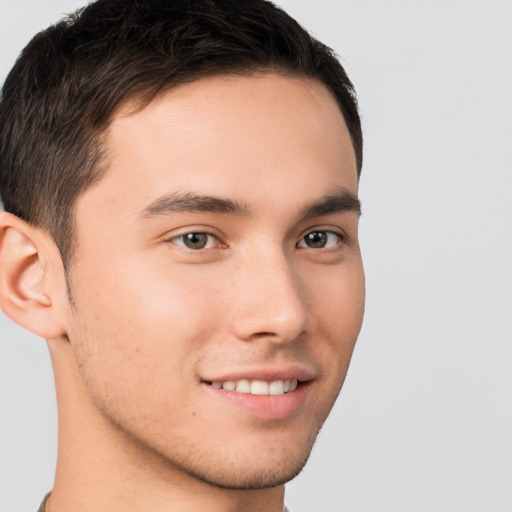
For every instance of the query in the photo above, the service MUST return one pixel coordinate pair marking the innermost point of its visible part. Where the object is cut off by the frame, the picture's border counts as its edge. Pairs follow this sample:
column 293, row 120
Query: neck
column 99, row 467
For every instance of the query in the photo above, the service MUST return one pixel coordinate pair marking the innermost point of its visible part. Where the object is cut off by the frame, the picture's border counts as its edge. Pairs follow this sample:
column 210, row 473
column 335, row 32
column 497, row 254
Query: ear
column 32, row 278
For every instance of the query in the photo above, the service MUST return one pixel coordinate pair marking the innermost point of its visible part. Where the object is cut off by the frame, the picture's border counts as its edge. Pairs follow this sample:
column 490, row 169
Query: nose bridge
column 270, row 300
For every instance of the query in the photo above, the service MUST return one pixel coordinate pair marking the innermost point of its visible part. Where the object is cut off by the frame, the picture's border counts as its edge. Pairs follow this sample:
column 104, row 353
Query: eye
column 196, row 241
column 320, row 240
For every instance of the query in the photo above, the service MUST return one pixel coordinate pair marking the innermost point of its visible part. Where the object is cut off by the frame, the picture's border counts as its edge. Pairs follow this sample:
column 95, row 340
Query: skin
column 153, row 321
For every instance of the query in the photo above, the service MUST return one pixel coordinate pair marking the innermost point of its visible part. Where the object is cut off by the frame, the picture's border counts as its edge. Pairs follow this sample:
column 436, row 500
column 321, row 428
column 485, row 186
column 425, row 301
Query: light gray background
column 424, row 423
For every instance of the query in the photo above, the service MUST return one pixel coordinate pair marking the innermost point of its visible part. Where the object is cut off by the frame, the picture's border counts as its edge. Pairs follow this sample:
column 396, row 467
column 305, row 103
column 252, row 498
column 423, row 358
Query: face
column 218, row 284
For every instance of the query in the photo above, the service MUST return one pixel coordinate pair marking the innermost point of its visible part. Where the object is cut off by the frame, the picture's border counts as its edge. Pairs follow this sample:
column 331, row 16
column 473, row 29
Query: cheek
column 141, row 330
column 338, row 306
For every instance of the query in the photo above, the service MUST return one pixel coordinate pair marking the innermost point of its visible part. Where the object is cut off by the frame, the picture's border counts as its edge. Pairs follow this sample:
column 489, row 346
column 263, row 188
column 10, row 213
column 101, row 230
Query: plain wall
column 424, row 422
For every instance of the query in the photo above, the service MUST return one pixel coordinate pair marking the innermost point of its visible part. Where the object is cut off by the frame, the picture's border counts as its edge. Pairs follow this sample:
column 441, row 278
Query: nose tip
column 270, row 304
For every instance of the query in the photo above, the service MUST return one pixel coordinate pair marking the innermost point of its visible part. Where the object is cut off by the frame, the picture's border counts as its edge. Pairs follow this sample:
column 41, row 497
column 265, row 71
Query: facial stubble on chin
column 292, row 465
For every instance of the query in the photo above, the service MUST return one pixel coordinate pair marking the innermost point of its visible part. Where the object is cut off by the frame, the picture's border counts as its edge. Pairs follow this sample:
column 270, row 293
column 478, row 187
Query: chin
column 265, row 467
column 252, row 478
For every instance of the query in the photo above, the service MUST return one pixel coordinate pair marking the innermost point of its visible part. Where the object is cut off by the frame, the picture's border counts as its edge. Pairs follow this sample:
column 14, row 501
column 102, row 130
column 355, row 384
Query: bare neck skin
column 96, row 471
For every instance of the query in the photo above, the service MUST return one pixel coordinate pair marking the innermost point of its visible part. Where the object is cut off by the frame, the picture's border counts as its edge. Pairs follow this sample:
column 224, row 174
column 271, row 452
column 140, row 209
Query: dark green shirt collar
column 43, row 504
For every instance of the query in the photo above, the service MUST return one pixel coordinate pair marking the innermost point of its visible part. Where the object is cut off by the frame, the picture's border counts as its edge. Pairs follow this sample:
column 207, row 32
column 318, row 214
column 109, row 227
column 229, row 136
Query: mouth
column 257, row 387
column 264, row 399
column 267, row 393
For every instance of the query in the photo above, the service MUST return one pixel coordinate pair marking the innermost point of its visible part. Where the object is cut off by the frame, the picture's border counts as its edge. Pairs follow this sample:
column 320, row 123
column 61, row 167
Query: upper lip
column 302, row 373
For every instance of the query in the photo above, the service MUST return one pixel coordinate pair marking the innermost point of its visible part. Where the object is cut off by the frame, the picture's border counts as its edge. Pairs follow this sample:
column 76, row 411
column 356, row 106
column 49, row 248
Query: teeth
column 258, row 387
column 243, row 386
column 276, row 387
column 229, row 385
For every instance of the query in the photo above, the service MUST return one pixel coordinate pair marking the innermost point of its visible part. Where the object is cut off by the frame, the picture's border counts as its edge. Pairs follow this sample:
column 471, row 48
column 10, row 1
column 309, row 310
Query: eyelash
column 301, row 244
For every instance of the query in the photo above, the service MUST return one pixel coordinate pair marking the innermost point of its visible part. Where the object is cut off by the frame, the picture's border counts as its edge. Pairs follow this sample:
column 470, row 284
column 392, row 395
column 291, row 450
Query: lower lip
column 268, row 407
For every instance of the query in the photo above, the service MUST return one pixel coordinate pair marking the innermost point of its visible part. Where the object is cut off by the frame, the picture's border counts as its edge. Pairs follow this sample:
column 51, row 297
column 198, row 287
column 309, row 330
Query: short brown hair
column 64, row 88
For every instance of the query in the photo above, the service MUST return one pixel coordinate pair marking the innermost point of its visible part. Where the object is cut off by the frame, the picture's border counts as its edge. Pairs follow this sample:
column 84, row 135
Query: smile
column 257, row 387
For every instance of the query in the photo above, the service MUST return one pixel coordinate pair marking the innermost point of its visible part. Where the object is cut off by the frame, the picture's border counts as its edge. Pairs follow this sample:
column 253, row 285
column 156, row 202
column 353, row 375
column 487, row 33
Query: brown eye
column 316, row 240
column 320, row 240
column 195, row 241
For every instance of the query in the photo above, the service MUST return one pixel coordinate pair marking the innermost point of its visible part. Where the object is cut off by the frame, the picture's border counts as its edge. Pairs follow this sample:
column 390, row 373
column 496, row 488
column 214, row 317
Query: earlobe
column 26, row 272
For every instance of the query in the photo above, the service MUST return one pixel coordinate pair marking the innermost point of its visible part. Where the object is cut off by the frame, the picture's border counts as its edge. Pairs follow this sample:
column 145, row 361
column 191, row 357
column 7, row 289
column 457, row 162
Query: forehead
column 229, row 136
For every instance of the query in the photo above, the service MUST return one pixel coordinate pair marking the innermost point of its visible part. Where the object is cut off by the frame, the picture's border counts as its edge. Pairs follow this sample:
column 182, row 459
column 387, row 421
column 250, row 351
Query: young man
column 180, row 183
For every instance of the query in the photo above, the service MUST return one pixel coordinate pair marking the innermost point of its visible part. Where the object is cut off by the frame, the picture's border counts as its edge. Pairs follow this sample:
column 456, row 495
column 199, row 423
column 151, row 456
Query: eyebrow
column 177, row 202
column 343, row 201
column 192, row 202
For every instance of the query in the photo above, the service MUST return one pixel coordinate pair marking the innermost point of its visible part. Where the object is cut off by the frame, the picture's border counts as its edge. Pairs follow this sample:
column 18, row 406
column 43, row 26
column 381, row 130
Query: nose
column 268, row 300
